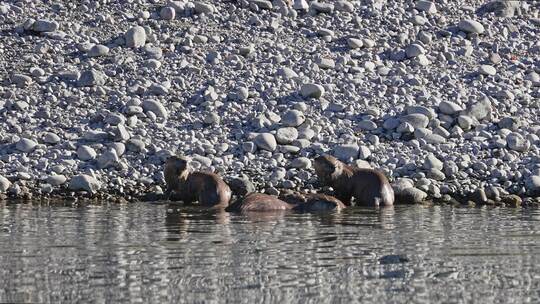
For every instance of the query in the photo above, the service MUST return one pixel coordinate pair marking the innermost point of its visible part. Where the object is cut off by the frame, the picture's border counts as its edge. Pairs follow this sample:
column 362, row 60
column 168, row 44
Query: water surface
column 158, row 254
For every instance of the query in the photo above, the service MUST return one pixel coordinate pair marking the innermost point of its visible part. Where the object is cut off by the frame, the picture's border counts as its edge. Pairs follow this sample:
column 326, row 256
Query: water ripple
column 160, row 253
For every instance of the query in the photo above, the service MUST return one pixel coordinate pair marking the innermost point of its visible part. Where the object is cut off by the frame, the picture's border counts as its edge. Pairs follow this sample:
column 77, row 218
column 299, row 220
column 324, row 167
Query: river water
column 152, row 253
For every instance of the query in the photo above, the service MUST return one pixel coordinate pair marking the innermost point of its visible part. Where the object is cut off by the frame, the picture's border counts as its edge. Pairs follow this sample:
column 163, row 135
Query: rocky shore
column 442, row 96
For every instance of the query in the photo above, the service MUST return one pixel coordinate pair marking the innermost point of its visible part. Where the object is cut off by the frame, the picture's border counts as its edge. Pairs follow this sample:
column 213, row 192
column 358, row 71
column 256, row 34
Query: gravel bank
column 442, row 96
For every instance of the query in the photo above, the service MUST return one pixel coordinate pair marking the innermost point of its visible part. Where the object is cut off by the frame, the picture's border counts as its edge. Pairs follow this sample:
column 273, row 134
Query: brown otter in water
column 258, row 202
column 369, row 187
column 205, row 187
column 312, row 202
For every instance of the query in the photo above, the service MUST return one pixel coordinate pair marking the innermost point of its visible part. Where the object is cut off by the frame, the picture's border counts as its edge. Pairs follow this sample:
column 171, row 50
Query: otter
column 205, row 187
column 369, row 187
column 258, row 202
column 313, row 202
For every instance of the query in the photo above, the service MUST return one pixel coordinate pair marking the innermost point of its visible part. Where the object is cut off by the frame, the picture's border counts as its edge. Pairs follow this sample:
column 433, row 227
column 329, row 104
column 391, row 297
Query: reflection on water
column 159, row 253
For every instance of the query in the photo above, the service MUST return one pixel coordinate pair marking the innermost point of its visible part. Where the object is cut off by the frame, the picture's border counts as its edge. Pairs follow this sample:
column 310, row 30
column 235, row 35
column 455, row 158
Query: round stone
column 449, row 108
column 293, row 118
column 266, row 141
column 4, row 184
column 51, row 138
column 167, row 13
column 26, row 145
column 426, row 6
column 471, row 26
column 411, row 196
column 98, row 50
column 301, row 163
column 135, row 145
column 517, row 143
column 414, row 50
column 135, row 37
column 367, row 125
column 84, row 182
column 56, row 180
column 156, row 107
column 286, row 135
column 432, row 162
column 355, row 43
column 43, row 25
column 487, row 70
column 312, row 90
column 416, row 120
column 364, row 152
column 86, row 153
column 346, row 152
column 90, row 78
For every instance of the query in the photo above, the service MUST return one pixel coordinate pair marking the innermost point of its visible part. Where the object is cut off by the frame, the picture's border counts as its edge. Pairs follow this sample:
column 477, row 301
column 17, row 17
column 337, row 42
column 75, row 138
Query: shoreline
column 60, row 197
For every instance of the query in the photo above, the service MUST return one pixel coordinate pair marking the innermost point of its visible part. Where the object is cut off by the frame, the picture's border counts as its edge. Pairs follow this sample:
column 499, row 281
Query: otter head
column 328, row 168
column 179, row 163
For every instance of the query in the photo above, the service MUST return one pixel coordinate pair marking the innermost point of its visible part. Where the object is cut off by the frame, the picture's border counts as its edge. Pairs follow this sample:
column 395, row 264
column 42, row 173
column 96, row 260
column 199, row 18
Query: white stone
column 487, row 70
column 21, row 80
column 432, row 162
column 84, row 182
column 517, row 143
column 107, row 159
column 286, row 72
column 449, row 108
column 471, row 26
column 312, row 90
column 51, row 138
column 156, row 107
column 86, row 153
column 344, row 5
column 26, row 145
column 300, row 5
column 266, row 141
column 98, row 50
column 286, row 135
column 204, row 8
column 4, row 184
column 416, row 120
column 90, row 78
column 364, row 152
column 414, row 50
column 346, row 152
column 293, row 118
column 135, row 37
column 532, row 184
column 56, row 180
column 426, row 6
column 355, row 43
column 465, row 122
column 402, row 184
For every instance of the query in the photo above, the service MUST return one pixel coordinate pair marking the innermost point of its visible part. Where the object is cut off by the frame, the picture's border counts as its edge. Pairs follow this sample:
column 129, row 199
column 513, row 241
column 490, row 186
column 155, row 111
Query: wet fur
column 313, row 202
column 205, row 187
column 369, row 187
column 258, row 202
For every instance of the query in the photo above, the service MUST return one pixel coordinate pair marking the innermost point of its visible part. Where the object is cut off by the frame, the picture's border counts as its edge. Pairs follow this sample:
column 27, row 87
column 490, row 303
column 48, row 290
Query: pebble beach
column 442, row 96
